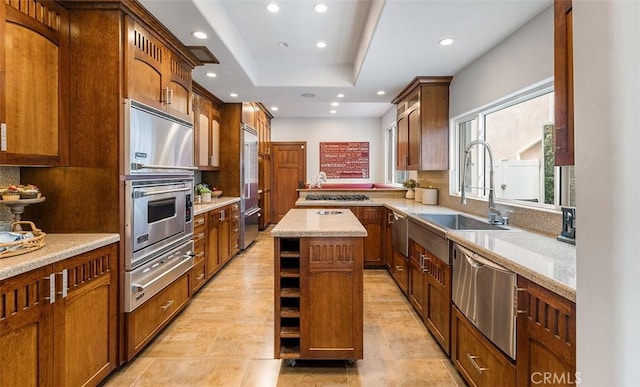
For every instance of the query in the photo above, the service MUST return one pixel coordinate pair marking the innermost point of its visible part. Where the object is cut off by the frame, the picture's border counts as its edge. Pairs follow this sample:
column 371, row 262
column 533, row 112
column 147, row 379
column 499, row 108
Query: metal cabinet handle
column 472, row 359
column 399, row 268
column 201, row 235
column 167, row 305
column 199, row 277
column 52, row 287
column 65, row 283
column 3, row 137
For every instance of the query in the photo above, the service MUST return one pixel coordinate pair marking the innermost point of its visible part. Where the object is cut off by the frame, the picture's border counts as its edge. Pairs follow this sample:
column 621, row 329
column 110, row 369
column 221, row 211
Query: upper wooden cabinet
column 156, row 75
column 423, row 124
column 563, row 82
column 34, row 79
column 206, row 123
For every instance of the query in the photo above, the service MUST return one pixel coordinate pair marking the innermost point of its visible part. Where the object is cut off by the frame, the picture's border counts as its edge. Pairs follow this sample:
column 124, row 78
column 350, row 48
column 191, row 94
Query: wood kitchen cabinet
column 388, row 242
column 214, row 242
column 206, row 111
column 400, row 271
column 318, row 298
column 156, row 75
column 198, row 275
column 477, row 359
column 372, row 218
column 223, row 240
column 59, row 322
column 563, row 82
column 417, row 286
column 34, row 74
column 546, row 340
column 423, row 124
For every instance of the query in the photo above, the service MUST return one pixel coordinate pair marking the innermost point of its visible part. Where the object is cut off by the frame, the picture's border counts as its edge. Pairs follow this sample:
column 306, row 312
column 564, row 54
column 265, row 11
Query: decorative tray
column 23, row 201
column 23, row 246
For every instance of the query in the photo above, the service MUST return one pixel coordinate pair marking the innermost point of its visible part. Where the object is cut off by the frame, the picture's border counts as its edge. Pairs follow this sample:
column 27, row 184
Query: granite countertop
column 539, row 258
column 57, row 248
column 215, row 203
column 309, row 223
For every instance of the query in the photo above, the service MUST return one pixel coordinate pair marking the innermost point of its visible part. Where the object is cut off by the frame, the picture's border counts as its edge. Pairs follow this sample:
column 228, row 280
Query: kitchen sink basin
column 328, row 212
column 460, row 222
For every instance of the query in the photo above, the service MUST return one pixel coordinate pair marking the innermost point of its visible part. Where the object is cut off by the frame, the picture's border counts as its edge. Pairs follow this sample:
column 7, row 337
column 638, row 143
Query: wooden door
column 372, row 218
column 414, row 139
column 331, row 298
column 437, row 312
column 213, row 243
column 388, row 243
column 86, row 318
column 34, row 83
column 26, row 330
column 546, row 335
column 563, row 82
column 402, row 144
column 202, row 133
column 289, row 173
column 417, row 291
column 178, row 86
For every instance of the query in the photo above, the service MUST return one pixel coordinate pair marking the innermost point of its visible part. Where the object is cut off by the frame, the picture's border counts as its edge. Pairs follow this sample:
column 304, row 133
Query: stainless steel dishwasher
column 486, row 294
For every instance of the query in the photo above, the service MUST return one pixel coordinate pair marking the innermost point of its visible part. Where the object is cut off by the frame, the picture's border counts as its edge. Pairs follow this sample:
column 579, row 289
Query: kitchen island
column 318, row 285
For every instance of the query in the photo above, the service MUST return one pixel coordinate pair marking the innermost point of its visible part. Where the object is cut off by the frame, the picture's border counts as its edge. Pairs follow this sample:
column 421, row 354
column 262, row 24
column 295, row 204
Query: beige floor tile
column 262, row 373
column 194, row 372
column 400, row 373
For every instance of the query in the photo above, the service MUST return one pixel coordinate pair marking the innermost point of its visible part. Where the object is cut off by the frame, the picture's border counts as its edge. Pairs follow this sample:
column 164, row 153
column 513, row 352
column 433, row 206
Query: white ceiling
column 372, row 45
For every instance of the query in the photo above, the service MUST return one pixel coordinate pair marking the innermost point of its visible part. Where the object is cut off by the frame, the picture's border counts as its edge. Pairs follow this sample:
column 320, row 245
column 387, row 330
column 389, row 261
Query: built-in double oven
column 158, row 184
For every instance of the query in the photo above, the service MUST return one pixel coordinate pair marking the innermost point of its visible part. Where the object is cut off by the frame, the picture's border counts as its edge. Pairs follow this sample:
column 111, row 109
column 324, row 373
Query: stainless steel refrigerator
column 249, row 210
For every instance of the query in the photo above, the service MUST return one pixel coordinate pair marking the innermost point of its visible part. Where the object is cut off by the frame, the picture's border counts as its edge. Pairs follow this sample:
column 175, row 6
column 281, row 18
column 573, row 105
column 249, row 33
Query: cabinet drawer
column 147, row 320
column 199, row 220
column 477, row 359
column 199, row 249
column 198, row 276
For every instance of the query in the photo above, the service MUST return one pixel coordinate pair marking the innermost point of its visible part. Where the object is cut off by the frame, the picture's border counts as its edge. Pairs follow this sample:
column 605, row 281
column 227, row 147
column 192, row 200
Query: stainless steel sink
column 459, row 222
column 328, row 212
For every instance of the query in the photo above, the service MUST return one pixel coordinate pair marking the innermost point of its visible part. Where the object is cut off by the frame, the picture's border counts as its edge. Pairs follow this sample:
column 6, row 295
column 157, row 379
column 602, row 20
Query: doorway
column 289, row 174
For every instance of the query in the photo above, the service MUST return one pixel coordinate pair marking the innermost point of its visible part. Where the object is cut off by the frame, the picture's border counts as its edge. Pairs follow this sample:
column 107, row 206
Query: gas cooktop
column 347, row 198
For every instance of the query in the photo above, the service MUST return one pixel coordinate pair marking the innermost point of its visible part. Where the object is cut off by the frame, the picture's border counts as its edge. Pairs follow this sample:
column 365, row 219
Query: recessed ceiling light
column 211, row 75
column 233, row 95
column 320, row 8
column 321, row 44
column 199, row 34
column 308, row 95
column 273, row 7
column 283, row 44
column 340, row 96
column 274, row 108
column 333, row 111
column 335, row 104
column 446, row 41
column 381, row 92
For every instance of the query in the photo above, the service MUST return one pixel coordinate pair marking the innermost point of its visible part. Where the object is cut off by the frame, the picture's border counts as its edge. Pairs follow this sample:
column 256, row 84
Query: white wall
column 607, row 137
column 316, row 130
column 521, row 60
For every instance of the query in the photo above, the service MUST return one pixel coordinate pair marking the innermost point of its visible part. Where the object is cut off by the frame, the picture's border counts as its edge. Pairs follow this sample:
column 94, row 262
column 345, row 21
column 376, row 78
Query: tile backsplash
column 548, row 222
column 8, row 175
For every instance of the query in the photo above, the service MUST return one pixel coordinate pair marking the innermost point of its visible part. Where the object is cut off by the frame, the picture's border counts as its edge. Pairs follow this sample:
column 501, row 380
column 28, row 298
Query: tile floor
column 225, row 338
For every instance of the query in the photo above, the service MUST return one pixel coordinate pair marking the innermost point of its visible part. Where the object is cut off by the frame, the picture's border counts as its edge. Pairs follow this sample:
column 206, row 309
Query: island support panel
column 319, row 298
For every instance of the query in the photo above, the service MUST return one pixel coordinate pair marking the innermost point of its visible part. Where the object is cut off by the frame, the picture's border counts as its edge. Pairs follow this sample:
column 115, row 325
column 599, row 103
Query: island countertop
column 300, row 222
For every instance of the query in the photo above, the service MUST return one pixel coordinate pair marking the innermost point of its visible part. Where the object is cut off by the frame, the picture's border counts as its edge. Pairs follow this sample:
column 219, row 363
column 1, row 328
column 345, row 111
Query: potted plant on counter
column 204, row 192
column 410, row 185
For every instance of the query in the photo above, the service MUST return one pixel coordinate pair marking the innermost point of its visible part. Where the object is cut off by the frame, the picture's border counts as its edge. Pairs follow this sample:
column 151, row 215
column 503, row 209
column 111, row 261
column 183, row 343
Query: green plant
column 202, row 189
column 410, row 183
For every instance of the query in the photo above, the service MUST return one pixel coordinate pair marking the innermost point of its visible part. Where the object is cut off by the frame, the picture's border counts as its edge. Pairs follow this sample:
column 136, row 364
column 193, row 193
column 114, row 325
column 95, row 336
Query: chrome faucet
column 494, row 214
column 322, row 177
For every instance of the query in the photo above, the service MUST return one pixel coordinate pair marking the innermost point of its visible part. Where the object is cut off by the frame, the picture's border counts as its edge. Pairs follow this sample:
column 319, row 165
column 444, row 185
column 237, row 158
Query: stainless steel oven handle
column 141, row 287
column 141, row 193
column 135, row 166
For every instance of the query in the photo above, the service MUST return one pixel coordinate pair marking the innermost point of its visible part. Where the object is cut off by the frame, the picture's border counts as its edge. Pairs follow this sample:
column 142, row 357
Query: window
column 392, row 176
column 519, row 131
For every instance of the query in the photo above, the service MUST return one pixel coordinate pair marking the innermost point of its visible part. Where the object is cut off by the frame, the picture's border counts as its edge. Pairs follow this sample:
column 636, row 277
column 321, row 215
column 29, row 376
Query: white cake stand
column 17, row 207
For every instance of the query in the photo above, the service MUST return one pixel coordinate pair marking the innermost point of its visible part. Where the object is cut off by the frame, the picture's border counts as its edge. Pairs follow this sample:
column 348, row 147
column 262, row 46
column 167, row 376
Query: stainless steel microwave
column 156, row 143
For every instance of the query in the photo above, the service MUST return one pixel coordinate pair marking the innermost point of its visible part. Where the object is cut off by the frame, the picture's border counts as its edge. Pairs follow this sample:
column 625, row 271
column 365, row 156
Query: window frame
column 455, row 153
column 390, row 149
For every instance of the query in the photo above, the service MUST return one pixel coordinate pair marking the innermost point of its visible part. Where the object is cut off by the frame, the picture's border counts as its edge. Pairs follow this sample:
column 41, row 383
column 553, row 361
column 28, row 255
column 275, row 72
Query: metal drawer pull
column 201, row 235
column 167, row 305
column 199, row 277
column 472, row 359
column 52, row 287
column 399, row 268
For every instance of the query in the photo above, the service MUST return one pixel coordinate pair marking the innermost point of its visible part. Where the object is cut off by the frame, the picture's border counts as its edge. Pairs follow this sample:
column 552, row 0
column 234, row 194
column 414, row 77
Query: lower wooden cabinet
column 437, row 312
column 417, row 286
column 546, row 340
column 372, row 218
column 400, row 270
column 149, row 318
column 388, row 243
column 58, row 324
column 477, row 359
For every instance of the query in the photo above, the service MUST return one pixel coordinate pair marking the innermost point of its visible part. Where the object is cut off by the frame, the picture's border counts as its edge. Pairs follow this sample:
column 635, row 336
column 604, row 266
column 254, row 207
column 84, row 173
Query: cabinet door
column 145, row 66
column 203, row 133
column 331, row 311
column 224, row 235
column 546, row 335
column 414, row 139
column 34, row 74
column 434, row 136
column 563, row 82
column 372, row 218
column 249, row 114
column 402, row 143
column 86, row 317
column 388, row 244
column 399, row 270
column 26, row 330
column 213, row 243
column 438, row 299
column 417, row 287
column 178, row 87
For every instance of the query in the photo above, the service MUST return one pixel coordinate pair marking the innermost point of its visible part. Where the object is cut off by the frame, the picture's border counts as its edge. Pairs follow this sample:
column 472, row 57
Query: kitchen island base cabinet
column 477, row 359
column 546, row 336
column 58, row 323
column 319, row 298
